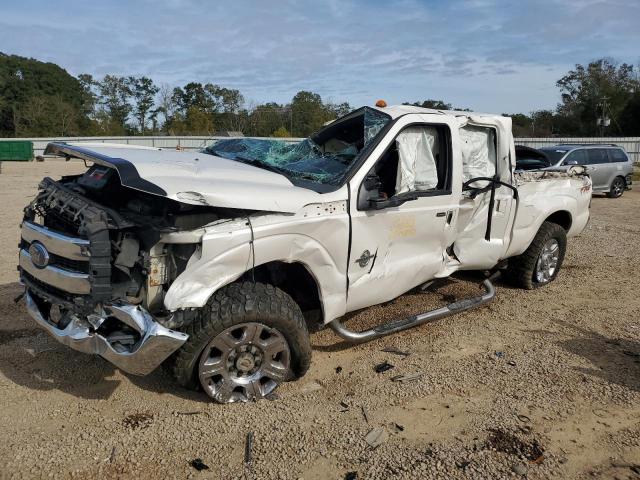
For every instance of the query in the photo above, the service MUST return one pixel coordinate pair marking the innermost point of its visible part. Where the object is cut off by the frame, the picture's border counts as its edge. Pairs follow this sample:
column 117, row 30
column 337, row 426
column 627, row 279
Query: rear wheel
column 541, row 262
column 249, row 338
column 617, row 187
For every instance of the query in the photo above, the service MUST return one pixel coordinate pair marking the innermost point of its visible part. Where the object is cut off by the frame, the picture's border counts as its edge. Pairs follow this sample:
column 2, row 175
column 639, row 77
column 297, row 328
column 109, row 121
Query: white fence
column 630, row 144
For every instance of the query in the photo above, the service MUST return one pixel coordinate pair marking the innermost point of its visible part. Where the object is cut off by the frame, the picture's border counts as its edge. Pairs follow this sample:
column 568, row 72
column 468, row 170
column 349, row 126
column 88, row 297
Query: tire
column 231, row 351
column 617, row 187
column 523, row 270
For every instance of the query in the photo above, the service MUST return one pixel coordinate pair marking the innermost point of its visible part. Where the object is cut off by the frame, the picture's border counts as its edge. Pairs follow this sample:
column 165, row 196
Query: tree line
column 42, row 99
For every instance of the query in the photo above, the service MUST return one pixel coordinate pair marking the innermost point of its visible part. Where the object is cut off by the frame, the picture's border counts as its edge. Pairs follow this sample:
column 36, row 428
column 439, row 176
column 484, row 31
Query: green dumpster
column 16, row 150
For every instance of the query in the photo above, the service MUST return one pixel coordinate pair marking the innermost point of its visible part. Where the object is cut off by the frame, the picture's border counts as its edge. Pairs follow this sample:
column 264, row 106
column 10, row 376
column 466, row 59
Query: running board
column 415, row 320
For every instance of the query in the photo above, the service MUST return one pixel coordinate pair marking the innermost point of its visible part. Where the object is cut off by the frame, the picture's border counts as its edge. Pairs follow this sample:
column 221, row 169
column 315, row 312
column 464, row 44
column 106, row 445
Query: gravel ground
column 542, row 384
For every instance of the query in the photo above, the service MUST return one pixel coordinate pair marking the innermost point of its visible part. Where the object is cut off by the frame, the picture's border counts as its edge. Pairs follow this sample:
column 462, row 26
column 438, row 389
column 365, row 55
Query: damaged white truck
column 218, row 262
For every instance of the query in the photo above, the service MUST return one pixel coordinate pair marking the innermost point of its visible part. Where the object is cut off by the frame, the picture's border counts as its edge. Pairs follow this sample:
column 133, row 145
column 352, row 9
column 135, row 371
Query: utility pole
column 603, row 120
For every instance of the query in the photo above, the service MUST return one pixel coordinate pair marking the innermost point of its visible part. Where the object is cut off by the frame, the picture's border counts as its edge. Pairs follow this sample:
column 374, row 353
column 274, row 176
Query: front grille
column 62, row 262
column 68, row 264
column 77, row 226
column 45, row 287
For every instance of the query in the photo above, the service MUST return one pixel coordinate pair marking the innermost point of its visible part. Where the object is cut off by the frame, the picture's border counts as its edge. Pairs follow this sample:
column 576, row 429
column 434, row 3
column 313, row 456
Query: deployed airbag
column 478, row 152
column 417, row 148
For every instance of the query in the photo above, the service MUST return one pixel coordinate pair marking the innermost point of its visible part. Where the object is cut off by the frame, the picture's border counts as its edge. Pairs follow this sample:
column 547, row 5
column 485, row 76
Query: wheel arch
column 275, row 257
column 296, row 280
column 560, row 217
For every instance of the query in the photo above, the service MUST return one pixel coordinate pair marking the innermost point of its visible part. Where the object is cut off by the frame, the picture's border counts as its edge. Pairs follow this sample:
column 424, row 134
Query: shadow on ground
column 32, row 359
column 615, row 360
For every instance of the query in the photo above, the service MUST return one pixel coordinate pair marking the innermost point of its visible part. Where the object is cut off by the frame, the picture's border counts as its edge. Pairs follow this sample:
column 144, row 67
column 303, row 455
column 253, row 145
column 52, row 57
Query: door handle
column 441, row 214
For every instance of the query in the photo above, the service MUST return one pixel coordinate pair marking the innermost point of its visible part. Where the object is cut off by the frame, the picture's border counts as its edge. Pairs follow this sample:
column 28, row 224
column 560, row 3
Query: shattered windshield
column 325, row 157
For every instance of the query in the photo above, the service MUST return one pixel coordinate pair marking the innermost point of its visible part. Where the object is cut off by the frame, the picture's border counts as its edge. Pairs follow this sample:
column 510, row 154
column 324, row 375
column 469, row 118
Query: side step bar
column 415, row 320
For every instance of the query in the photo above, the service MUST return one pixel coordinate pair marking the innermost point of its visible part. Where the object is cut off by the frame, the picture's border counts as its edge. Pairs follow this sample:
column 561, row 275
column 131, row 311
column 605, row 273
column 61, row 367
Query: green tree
column 630, row 116
column 308, row 112
column 22, row 79
column 281, row 132
column 115, row 95
column 143, row 91
column 586, row 89
column 434, row 104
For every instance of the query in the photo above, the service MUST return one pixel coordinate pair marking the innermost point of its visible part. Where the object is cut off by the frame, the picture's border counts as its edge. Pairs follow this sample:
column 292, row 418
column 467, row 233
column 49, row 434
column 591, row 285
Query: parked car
column 528, row 158
column 609, row 166
column 216, row 261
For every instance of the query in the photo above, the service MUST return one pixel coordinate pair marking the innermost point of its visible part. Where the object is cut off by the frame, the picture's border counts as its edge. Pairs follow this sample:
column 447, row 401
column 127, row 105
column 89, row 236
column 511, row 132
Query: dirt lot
column 543, row 383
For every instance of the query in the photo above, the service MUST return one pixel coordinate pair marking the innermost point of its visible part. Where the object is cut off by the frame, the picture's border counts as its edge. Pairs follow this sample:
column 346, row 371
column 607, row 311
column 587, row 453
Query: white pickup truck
column 216, row 262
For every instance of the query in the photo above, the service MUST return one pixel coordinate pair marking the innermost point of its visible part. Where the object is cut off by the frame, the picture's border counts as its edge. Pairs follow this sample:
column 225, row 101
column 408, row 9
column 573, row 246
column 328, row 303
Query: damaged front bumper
column 154, row 344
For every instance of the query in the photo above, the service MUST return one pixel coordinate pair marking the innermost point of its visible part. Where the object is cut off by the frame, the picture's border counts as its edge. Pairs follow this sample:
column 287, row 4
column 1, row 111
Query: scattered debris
column 524, row 418
column 395, row 351
column 519, row 468
column 248, row 449
column 112, row 457
column 376, row 437
column 345, row 406
column 408, row 377
column 364, row 413
column 512, row 363
column 629, row 353
column 383, row 367
column 197, row 412
column 311, row 387
column 272, row 396
column 138, row 420
column 198, row 464
column 398, row 428
column 351, row 476
column 338, row 369
column 499, row 354
column 463, row 464
column 507, row 442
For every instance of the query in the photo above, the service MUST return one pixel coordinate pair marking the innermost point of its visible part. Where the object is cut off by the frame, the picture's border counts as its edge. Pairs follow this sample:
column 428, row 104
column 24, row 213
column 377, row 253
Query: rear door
column 599, row 168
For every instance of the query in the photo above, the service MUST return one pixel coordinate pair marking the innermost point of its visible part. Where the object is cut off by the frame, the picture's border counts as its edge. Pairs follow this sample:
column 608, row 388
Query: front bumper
column 155, row 343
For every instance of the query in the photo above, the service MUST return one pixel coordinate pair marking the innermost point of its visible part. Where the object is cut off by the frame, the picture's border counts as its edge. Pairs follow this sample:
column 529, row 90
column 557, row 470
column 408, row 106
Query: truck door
column 484, row 154
column 403, row 214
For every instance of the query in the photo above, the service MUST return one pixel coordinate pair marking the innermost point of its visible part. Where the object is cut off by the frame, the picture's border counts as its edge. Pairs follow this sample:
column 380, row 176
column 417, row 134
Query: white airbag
column 478, row 152
column 417, row 148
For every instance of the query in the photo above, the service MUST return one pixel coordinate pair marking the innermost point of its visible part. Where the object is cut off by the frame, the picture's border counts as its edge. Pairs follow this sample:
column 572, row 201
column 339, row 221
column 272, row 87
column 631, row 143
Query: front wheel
column 249, row 338
column 617, row 187
column 541, row 262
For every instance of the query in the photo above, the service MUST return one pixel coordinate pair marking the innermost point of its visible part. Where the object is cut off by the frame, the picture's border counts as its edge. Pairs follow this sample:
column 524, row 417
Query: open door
column 485, row 218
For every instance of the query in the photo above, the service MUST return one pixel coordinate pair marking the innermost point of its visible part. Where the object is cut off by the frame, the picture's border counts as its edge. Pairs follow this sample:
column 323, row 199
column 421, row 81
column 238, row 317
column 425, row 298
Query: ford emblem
column 39, row 255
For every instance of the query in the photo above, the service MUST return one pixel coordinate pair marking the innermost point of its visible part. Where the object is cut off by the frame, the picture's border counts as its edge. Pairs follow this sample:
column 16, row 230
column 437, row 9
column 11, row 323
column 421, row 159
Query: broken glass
column 325, row 157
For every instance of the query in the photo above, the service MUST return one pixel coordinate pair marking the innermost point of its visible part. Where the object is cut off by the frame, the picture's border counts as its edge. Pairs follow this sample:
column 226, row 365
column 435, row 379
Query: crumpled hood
column 193, row 177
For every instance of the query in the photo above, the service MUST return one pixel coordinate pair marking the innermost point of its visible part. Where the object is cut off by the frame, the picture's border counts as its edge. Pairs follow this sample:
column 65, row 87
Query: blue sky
column 488, row 55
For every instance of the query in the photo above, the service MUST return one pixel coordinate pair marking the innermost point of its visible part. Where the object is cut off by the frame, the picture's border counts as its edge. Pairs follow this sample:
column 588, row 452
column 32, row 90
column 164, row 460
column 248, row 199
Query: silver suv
column 609, row 165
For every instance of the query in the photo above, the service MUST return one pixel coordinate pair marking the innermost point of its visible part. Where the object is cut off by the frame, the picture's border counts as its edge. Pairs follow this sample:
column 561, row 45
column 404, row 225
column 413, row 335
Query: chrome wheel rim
column 547, row 261
column 244, row 362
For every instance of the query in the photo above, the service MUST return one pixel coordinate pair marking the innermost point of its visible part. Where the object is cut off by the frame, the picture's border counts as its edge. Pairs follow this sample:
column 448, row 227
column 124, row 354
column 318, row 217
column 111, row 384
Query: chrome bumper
column 156, row 342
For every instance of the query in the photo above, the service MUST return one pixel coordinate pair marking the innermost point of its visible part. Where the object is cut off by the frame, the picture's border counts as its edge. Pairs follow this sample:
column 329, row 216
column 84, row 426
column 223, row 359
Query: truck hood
column 193, row 177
